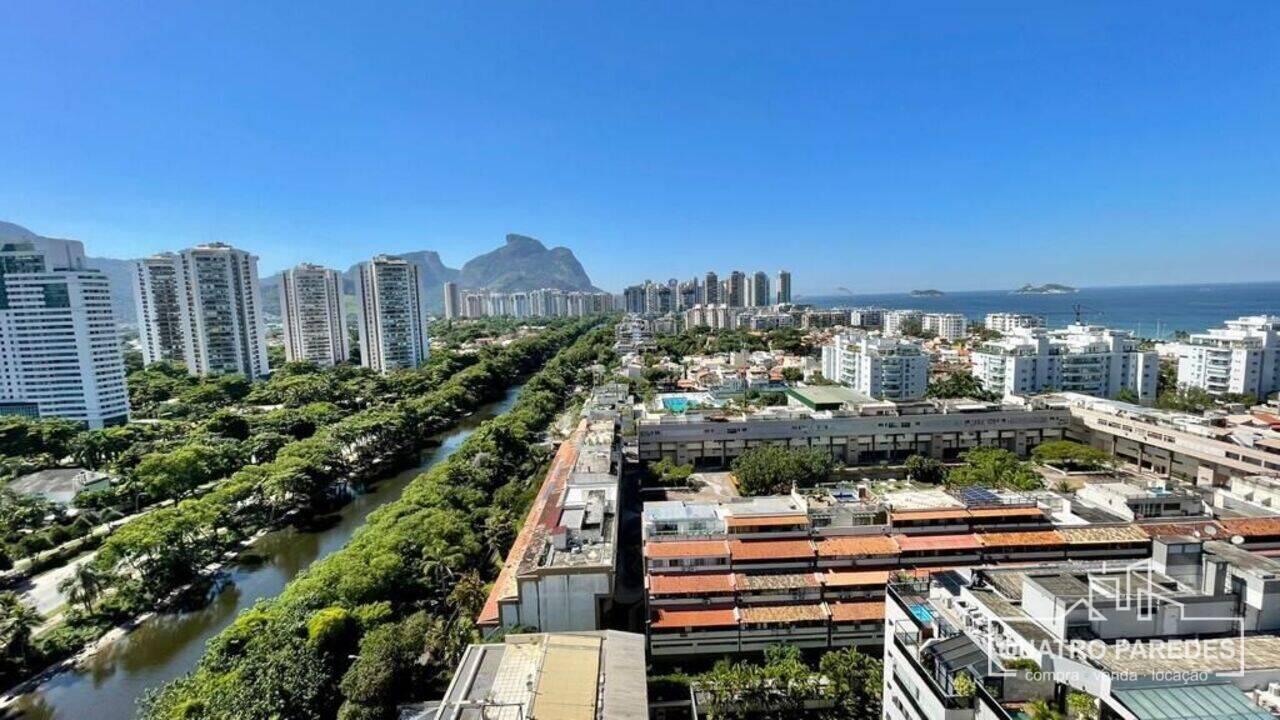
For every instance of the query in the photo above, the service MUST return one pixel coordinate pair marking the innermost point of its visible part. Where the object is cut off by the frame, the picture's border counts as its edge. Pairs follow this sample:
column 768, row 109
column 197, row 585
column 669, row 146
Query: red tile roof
column 783, row 613
column 1014, row 512
column 670, row 549
column 1035, row 538
column 856, row 611
column 855, row 578
column 918, row 543
column 673, row 619
column 1252, row 527
column 1196, row 528
column 691, row 584
column 941, row 514
column 770, row 549
column 766, row 582
column 857, row 546
column 1103, row 534
column 765, row 520
column 543, row 513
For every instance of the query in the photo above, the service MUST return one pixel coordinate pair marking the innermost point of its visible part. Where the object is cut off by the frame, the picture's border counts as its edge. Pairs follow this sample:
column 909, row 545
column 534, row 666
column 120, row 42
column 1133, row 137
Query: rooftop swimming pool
column 922, row 613
column 676, row 404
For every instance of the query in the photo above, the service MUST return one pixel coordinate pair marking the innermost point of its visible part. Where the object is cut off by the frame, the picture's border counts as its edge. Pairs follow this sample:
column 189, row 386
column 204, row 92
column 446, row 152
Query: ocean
column 1152, row 311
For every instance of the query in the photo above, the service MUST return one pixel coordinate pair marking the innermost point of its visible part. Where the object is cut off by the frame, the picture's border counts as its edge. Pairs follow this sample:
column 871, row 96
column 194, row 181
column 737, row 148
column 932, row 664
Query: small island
column 927, row 293
column 1046, row 289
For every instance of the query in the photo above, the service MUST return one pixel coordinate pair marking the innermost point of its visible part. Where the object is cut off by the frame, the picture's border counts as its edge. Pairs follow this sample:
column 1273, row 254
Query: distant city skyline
column 876, row 148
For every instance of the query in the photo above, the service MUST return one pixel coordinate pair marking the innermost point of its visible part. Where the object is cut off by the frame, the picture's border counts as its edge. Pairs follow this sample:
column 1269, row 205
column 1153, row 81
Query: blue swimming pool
column 676, row 404
column 922, row 613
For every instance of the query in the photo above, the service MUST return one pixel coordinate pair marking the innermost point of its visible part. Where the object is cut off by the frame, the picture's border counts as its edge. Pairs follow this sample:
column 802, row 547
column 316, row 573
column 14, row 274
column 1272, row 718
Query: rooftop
column 557, row 676
column 828, row 397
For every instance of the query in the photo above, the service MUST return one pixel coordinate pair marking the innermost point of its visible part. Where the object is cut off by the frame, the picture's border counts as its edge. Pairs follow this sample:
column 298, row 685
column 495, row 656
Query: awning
column 1191, row 702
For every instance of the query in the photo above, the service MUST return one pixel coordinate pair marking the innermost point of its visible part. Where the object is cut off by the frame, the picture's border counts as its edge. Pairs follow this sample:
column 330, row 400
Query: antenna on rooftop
column 1080, row 310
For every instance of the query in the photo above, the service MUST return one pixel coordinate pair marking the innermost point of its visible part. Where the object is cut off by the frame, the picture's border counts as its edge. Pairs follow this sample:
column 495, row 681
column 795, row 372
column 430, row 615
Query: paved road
column 41, row 592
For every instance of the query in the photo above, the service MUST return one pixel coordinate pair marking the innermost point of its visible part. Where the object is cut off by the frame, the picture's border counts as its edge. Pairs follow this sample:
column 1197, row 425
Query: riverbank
column 416, row 570
column 106, row 681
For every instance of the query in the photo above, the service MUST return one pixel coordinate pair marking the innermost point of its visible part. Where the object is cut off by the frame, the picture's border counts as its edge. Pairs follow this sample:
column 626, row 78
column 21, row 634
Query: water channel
column 169, row 645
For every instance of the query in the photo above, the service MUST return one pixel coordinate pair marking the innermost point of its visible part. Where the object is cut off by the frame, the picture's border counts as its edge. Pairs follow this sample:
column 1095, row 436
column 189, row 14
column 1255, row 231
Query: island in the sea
column 1046, row 289
column 927, row 293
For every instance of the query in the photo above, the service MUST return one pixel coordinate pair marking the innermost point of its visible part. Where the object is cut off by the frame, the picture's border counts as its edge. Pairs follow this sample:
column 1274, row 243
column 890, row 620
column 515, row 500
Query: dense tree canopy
column 959, row 384
column 1071, row 455
column 408, row 576
column 994, row 468
column 773, row 470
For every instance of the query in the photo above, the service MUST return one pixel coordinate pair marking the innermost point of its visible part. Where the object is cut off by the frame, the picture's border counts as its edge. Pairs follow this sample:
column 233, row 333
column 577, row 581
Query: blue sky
column 878, row 147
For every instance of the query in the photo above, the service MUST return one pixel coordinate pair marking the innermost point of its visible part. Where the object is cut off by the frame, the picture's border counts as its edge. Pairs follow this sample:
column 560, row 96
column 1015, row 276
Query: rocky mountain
column 524, row 263
column 118, row 271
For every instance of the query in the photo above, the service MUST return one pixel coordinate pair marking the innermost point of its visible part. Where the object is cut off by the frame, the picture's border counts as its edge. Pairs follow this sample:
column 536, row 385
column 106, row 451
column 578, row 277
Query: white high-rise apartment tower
column 452, row 301
column 1007, row 322
column 784, row 287
column 711, row 289
column 59, row 348
column 758, row 290
column 948, row 326
column 1085, row 359
column 884, row 368
column 315, row 323
column 1243, row 358
column 202, row 307
column 390, row 314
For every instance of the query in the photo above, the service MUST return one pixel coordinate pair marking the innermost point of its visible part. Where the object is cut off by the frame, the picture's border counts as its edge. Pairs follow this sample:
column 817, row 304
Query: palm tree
column 468, row 595
column 84, row 586
column 17, row 621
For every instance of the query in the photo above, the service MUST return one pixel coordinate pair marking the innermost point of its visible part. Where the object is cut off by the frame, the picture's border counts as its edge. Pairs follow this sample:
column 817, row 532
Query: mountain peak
column 524, row 241
column 524, row 263
column 11, row 231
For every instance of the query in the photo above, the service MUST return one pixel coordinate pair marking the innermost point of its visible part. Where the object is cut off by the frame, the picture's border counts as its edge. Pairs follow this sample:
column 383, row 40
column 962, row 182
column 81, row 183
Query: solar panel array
column 975, row 496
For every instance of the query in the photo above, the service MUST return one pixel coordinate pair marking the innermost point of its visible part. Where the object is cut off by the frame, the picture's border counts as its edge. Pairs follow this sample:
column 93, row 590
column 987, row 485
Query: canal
column 169, row 645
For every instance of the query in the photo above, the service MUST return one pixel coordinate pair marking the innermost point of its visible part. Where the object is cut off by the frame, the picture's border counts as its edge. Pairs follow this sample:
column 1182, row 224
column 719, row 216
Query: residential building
column 884, row 368
column 633, row 299
column 474, row 305
column 60, row 350
column 812, row 319
column 897, row 321
column 1131, row 502
column 948, row 326
column 736, row 296
column 315, row 321
column 452, row 301
column 758, row 290
column 1189, row 633
column 390, row 318
column 1242, row 359
column 1207, row 451
column 711, row 290
column 717, row 317
column 784, row 288
column 687, row 294
column 559, row 574
column 809, row 569
column 160, row 295
column 1007, row 322
column 867, row 317
column 203, row 306
column 1085, row 359
column 854, row 429
column 549, row 676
